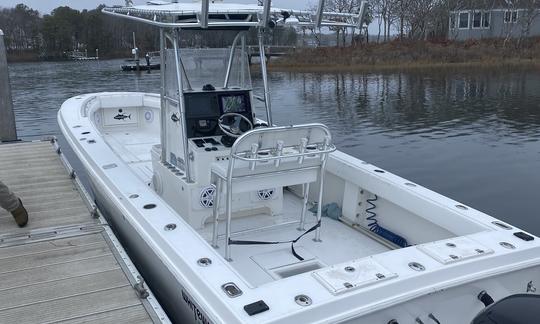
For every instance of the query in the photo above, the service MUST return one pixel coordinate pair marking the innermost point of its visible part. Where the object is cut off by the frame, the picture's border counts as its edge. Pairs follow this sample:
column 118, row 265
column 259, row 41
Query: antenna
column 320, row 11
column 204, row 13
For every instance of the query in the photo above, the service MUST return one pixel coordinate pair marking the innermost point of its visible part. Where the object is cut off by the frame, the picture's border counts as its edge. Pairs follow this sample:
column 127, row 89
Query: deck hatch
column 454, row 249
column 351, row 275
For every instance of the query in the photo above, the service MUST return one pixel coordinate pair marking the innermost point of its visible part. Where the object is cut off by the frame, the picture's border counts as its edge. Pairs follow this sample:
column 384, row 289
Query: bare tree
column 530, row 11
column 342, row 6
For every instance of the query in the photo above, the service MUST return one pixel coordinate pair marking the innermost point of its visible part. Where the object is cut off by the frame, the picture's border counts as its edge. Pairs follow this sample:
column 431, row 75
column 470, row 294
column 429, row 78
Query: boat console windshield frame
column 176, row 85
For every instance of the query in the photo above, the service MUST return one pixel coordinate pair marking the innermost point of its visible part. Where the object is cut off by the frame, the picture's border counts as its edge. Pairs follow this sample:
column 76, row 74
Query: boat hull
column 141, row 67
column 191, row 293
column 173, row 297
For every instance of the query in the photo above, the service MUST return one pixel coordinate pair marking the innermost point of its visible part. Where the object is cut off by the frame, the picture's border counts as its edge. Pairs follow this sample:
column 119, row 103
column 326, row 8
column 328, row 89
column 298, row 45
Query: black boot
column 21, row 215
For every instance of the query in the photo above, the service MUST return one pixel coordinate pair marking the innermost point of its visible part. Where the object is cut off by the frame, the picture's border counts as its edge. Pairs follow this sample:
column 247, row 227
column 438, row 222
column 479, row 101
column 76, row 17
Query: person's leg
column 13, row 204
column 8, row 200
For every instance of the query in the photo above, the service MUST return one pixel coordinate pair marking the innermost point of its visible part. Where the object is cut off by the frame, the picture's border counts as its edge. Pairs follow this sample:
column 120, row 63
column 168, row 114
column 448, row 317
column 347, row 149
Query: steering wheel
column 230, row 124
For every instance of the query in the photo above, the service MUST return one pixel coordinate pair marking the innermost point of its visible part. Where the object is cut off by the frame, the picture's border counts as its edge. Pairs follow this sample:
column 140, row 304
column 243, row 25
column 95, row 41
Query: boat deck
column 65, row 265
column 134, row 148
column 260, row 264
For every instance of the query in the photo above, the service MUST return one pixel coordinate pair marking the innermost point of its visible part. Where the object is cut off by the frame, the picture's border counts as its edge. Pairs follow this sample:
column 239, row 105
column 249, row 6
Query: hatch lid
column 351, row 275
column 454, row 249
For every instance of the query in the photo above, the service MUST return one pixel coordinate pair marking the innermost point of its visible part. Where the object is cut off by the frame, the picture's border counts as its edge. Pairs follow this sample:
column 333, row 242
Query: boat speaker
column 206, row 198
column 266, row 194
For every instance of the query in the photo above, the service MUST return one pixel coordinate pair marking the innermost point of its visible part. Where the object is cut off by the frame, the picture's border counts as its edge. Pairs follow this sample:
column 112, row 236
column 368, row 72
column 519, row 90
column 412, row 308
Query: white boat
column 232, row 221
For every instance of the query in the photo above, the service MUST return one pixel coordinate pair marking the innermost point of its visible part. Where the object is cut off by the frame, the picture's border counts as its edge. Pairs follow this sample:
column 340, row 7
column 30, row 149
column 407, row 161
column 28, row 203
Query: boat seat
column 272, row 157
column 267, row 175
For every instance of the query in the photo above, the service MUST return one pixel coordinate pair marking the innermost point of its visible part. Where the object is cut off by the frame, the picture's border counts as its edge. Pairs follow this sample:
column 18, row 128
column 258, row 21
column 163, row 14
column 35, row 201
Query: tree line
column 30, row 35
column 51, row 36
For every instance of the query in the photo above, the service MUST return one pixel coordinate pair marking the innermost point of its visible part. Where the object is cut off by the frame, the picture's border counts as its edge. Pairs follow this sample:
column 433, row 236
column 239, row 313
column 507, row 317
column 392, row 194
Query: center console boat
column 233, row 219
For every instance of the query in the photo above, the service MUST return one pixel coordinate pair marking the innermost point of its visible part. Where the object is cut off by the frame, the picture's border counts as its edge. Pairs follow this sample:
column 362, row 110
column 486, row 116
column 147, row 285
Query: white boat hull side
column 172, row 296
column 193, row 294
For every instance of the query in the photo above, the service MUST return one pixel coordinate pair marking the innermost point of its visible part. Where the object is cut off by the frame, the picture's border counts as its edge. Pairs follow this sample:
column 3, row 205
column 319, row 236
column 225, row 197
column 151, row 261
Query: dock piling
column 8, row 132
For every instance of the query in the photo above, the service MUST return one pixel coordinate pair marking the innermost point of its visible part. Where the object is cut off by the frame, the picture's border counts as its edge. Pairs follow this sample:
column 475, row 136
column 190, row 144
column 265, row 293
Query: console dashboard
column 203, row 110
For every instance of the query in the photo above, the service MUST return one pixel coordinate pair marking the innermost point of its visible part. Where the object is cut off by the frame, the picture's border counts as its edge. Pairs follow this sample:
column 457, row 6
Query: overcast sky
column 45, row 6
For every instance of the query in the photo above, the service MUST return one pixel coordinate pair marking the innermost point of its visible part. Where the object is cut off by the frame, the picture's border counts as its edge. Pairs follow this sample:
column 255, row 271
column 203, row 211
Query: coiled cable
column 374, row 226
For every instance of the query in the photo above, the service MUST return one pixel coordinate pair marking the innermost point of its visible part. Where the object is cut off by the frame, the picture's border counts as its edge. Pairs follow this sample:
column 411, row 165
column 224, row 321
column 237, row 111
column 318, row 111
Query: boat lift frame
column 171, row 28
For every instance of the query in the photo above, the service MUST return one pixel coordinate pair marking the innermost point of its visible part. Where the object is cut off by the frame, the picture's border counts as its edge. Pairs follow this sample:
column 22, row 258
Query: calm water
column 471, row 136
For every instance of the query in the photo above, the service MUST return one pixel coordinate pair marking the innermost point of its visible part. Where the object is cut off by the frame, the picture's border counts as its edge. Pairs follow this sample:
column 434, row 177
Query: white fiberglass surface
column 133, row 146
column 260, row 264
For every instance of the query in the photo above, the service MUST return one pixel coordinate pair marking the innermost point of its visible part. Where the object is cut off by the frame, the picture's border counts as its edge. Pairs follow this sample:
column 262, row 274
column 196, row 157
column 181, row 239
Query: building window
column 477, row 19
column 463, row 20
column 510, row 16
column 486, row 16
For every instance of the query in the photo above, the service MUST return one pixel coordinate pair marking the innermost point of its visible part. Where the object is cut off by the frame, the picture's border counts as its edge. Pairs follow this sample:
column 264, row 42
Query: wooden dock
column 270, row 51
column 66, row 265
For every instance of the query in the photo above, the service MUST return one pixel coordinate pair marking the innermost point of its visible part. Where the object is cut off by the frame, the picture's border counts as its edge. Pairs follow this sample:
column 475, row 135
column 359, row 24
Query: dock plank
column 47, row 246
column 56, row 272
column 71, row 307
column 132, row 315
column 75, row 286
column 51, row 271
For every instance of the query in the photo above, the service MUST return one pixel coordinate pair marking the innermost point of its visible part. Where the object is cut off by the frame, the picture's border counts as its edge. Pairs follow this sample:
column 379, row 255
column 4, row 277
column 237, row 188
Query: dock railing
column 8, row 132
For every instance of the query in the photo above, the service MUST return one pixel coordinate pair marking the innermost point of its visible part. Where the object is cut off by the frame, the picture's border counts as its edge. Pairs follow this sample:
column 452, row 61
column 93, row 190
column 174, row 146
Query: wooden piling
column 8, row 132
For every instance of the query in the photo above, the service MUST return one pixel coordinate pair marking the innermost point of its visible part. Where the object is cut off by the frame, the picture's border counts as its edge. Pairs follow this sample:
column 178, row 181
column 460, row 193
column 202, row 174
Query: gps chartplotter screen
column 236, row 103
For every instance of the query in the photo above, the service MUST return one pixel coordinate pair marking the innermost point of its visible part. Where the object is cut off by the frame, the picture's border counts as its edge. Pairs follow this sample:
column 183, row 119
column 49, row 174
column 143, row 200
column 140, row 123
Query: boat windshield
column 205, row 66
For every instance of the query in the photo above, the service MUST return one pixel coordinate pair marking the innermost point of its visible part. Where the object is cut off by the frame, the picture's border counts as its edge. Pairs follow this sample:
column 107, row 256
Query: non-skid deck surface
column 134, row 148
column 339, row 243
column 73, row 279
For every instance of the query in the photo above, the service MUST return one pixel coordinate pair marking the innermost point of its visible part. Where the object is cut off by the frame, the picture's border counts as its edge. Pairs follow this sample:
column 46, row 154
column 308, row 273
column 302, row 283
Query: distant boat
column 134, row 64
column 142, row 67
column 80, row 56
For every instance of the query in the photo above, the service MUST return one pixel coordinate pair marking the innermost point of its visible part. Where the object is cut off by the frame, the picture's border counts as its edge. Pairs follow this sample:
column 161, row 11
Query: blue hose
column 374, row 226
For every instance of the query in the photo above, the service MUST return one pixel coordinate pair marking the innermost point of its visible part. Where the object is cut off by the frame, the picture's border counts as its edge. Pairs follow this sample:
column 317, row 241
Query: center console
column 203, row 109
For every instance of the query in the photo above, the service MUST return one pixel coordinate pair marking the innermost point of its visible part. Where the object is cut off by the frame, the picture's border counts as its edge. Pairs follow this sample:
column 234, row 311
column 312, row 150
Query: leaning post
column 8, row 132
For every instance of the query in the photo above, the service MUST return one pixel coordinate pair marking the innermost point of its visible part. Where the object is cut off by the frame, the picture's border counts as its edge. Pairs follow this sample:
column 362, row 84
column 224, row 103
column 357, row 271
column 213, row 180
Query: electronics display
column 203, row 110
column 234, row 103
column 201, row 105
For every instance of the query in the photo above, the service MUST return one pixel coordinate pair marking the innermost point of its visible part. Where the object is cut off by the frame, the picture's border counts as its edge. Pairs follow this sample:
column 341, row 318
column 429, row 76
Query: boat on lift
column 233, row 219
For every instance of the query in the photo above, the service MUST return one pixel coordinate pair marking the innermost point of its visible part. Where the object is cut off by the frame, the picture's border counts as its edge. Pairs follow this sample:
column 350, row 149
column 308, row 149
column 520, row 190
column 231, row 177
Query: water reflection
column 472, row 136
column 443, row 105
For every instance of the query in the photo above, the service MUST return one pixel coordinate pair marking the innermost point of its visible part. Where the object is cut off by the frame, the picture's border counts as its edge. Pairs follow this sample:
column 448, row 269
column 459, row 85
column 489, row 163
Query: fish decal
column 122, row 117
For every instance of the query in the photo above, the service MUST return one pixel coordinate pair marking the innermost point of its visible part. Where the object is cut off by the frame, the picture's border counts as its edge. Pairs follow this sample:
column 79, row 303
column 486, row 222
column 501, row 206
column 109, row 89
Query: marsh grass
column 415, row 55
